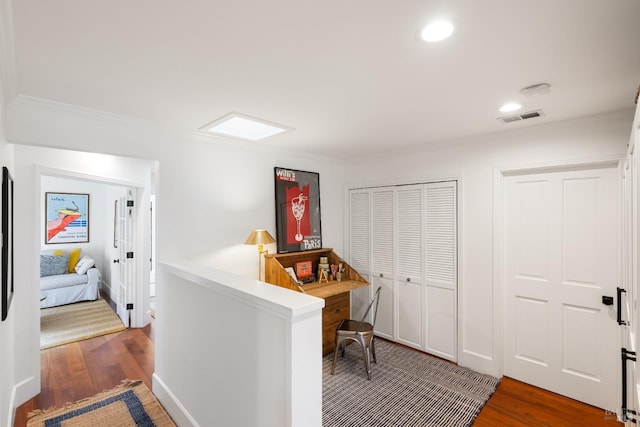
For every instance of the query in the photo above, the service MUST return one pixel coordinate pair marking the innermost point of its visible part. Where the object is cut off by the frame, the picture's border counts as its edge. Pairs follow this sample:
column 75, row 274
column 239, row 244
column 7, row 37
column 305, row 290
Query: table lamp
column 260, row 238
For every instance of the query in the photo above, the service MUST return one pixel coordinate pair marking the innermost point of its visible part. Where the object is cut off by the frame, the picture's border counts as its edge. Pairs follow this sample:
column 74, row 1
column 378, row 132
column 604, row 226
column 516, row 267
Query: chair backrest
column 374, row 301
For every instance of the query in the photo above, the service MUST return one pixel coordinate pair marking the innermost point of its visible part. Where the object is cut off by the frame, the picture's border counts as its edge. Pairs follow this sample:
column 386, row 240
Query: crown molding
column 55, row 107
column 61, row 107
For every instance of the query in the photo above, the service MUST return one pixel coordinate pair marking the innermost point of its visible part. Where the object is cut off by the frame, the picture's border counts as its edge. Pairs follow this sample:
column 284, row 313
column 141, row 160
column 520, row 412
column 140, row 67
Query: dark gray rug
column 407, row 388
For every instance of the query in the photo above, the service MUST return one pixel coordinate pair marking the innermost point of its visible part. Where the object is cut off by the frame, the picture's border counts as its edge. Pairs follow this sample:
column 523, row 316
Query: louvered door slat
column 440, row 234
column 409, row 232
column 382, row 231
column 359, row 231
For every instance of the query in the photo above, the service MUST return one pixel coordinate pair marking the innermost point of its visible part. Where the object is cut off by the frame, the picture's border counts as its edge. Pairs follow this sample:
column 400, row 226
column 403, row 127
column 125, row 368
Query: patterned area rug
column 130, row 404
column 407, row 388
column 76, row 322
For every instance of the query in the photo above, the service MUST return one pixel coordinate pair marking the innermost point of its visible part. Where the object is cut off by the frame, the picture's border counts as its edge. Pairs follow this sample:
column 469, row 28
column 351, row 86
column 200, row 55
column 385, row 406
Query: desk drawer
column 335, row 310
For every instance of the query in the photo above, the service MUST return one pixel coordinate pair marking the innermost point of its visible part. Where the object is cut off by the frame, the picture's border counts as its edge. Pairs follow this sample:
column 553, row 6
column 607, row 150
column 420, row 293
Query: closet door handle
column 620, row 291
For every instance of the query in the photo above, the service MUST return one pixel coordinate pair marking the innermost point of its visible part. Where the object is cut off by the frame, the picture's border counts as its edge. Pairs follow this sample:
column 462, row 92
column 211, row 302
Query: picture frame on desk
column 304, row 271
column 292, row 273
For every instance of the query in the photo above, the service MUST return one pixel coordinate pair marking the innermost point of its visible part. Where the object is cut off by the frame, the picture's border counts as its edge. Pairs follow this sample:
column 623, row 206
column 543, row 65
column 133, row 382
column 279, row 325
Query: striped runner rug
column 407, row 388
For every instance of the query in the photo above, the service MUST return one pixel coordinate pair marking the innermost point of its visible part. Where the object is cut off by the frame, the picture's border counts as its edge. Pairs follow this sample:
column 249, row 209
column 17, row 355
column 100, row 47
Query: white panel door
column 561, row 257
column 409, row 262
column 125, row 261
column 441, row 268
column 382, row 247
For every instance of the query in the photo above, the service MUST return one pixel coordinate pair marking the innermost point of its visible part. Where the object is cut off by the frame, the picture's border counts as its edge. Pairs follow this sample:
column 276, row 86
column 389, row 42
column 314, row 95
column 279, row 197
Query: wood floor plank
column 82, row 369
column 516, row 404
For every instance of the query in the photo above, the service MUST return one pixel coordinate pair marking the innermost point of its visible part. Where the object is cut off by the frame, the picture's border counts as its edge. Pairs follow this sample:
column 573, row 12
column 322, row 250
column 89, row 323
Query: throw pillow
column 84, row 264
column 51, row 265
column 74, row 257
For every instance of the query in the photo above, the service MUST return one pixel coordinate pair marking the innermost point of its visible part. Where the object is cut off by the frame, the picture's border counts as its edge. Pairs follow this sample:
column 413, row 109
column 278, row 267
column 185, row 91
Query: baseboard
column 172, row 405
column 106, row 288
column 25, row 390
column 11, row 413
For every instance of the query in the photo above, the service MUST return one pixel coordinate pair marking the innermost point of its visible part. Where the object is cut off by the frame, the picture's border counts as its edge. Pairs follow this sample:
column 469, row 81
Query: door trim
column 140, row 315
column 498, row 233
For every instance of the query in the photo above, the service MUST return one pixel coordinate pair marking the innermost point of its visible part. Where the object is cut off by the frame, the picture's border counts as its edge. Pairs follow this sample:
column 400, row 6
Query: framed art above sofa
column 67, row 218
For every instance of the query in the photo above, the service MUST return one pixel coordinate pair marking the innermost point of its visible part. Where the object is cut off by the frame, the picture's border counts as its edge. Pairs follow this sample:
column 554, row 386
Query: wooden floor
column 518, row 404
column 78, row 370
column 82, row 369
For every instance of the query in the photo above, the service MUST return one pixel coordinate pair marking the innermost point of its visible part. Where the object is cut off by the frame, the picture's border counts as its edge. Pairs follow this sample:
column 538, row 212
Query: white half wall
column 232, row 351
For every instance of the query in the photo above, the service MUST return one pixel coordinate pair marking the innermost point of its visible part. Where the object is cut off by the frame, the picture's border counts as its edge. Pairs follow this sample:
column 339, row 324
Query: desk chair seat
column 361, row 332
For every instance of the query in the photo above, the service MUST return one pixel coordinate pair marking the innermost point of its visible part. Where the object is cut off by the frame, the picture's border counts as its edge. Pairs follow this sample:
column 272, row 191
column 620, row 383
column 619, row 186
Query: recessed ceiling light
column 244, row 127
column 436, row 31
column 510, row 106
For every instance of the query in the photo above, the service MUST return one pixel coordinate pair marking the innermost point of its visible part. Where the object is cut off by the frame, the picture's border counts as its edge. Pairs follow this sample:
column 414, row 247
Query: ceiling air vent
column 523, row 116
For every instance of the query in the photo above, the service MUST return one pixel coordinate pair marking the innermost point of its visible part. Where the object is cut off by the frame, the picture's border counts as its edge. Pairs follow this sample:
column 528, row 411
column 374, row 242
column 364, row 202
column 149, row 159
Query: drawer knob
column 381, row 275
column 408, row 279
column 337, row 310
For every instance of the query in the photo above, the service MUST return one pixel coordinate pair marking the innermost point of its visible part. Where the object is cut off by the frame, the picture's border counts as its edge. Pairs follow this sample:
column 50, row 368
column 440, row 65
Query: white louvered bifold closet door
column 403, row 238
column 409, row 265
column 440, row 265
column 382, row 249
column 359, row 248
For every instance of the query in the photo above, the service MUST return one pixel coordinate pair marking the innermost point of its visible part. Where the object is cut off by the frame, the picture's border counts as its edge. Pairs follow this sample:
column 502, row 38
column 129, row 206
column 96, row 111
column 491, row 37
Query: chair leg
column 367, row 360
column 335, row 354
column 373, row 349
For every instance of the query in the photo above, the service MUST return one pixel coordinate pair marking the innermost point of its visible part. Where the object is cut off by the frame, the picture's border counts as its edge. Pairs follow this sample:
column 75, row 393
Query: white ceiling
column 349, row 75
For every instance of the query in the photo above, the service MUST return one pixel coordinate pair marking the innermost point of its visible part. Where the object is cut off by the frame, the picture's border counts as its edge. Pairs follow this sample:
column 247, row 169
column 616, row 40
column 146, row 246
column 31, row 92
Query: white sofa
column 66, row 288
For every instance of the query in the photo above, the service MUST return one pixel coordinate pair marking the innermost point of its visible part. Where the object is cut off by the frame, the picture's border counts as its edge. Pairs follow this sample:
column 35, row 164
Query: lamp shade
column 259, row 237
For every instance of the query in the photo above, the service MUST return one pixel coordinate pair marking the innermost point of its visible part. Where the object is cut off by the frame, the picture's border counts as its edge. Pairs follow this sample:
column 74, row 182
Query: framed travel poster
column 298, row 225
column 67, row 218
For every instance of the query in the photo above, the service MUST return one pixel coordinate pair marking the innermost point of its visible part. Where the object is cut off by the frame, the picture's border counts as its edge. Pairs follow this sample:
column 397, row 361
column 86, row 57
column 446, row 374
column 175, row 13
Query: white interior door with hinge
column 560, row 258
column 125, row 261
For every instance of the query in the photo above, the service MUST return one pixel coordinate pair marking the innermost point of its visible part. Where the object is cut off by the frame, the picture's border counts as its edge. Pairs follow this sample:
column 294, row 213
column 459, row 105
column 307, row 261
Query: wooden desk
column 335, row 293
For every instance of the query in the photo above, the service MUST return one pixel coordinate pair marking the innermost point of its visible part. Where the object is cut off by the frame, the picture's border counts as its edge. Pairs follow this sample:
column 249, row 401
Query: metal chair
column 361, row 332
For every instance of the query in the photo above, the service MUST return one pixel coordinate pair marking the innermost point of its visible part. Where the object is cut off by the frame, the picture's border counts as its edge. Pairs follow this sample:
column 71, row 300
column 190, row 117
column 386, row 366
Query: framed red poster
column 298, row 226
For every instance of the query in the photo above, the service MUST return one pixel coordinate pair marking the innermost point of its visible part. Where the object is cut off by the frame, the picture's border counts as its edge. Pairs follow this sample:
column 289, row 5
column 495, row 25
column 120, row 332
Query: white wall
column 474, row 161
column 7, row 337
column 7, row 334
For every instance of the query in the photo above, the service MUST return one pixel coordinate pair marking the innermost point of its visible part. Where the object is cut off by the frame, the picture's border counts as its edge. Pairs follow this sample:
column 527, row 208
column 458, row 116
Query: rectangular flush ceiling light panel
column 238, row 125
